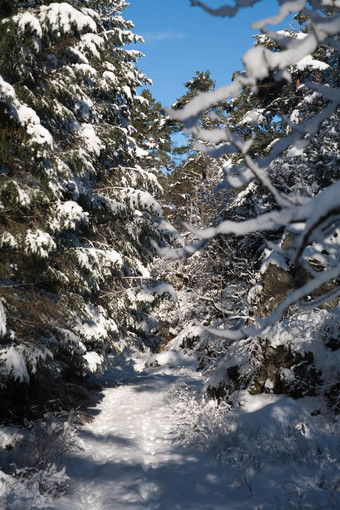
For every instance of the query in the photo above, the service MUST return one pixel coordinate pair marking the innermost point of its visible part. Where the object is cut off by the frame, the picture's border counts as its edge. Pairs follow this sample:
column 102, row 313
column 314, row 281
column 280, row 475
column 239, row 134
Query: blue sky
column 180, row 40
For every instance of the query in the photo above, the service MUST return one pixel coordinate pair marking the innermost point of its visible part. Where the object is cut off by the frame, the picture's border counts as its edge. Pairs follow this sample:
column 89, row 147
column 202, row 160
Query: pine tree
column 76, row 209
column 188, row 187
column 153, row 130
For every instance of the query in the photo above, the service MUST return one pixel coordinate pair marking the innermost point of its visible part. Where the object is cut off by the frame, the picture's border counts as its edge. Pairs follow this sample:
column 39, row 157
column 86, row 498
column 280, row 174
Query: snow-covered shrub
column 199, row 421
column 45, row 442
column 299, row 357
column 32, row 474
column 30, row 488
column 263, row 435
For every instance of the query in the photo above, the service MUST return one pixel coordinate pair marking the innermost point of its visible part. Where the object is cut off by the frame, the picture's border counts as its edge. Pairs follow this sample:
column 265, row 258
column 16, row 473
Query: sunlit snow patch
column 149, row 295
column 13, row 364
column 3, row 327
column 94, row 360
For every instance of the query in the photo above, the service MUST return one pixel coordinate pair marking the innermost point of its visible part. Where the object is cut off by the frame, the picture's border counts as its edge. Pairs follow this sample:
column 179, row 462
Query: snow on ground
column 128, row 458
column 157, row 443
column 142, row 451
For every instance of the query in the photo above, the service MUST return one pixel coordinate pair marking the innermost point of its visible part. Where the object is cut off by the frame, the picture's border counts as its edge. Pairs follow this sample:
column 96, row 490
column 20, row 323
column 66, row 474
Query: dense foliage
column 76, row 206
column 272, row 247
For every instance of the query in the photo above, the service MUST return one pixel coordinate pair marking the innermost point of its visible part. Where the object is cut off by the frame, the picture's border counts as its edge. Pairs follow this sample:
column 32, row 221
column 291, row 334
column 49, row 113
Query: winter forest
column 169, row 313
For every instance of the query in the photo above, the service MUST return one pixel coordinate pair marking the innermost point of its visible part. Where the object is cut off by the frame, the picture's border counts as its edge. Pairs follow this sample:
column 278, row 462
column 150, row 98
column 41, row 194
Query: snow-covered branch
column 311, row 218
column 226, row 10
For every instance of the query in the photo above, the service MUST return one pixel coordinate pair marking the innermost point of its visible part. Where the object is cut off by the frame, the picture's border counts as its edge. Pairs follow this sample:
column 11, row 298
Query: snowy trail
column 128, row 460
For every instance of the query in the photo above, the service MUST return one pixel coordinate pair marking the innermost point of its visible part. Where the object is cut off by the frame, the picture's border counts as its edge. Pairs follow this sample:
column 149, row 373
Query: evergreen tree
column 188, row 187
column 201, row 82
column 76, row 210
column 153, row 130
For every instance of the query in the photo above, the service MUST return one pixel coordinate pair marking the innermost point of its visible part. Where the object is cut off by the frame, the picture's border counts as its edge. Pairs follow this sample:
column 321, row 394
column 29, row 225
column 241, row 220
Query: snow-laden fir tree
column 153, row 130
column 76, row 206
column 189, row 185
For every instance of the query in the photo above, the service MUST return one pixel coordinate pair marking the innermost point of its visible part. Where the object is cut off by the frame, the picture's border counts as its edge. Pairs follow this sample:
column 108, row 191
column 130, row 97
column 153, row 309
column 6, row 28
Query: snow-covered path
column 128, row 460
column 267, row 452
column 128, row 457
